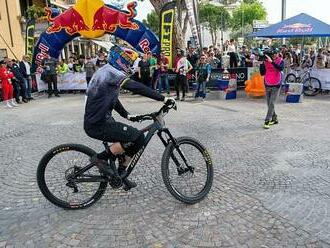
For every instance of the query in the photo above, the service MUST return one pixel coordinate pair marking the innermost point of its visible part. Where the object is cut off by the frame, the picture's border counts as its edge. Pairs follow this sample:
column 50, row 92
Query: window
column 3, row 53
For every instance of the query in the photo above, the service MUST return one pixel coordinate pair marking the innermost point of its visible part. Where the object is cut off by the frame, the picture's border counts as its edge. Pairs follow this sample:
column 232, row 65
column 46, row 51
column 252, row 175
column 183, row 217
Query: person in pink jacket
column 274, row 66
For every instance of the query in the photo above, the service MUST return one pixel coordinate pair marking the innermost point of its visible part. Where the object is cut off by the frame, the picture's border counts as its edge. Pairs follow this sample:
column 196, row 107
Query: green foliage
column 246, row 13
column 35, row 12
column 215, row 17
column 152, row 22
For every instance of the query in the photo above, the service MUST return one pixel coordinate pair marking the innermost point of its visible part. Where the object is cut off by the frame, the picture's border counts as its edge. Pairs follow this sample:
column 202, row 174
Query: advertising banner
column 166, row 30
column 29, row 40
column 68, row 81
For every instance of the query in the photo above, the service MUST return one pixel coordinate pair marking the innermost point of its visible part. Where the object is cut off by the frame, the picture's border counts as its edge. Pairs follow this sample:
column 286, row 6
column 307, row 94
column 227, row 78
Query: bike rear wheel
column 55, row 180
column 312, row 86
column 188, row 186
column 290, row 78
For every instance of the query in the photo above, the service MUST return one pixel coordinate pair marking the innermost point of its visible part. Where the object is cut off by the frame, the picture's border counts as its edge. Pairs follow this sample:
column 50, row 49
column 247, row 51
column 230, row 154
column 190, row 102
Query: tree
column 215, row 18
column 246, row 13
column 152, row 22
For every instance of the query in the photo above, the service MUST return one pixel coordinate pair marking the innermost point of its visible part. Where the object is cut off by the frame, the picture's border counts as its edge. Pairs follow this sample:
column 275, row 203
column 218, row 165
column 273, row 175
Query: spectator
column 202, row 74
column 7, row 89
column 144, row 70
column 320, row 59
column 49, row 64
column 153, row 70
column 25, row 67
column 274, row 64
column 90, row 69
column 307, row 62
column 192, row 57
column 232, row 53
column 78, row 66
column 163, row 74
column 18, row 81
column 70, row 64
column 213, row 61
column 328, row 59
column 62, row 68
column 101, row 60
column 182, row 68
column 135, row 69
column 288, row 63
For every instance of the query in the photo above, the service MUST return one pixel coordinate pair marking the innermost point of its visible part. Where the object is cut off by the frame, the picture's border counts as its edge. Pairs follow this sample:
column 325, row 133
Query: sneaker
column 266, row 125
column 177, row 98
column 57, row 95
column 273, row 122
column 8, row 105
column 49, row 96
column 13, row 103
column 183, row 99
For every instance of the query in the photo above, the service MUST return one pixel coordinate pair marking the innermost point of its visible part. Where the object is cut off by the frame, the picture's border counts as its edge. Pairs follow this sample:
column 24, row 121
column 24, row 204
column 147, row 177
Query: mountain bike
column 312, row 85
column 68, row 179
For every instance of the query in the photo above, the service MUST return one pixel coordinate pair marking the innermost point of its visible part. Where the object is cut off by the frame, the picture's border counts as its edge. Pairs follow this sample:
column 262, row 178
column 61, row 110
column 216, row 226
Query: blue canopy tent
column 301, row 25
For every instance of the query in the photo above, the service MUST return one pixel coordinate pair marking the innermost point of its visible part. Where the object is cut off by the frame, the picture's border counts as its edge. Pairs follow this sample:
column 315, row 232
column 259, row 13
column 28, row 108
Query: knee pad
column 131, row 148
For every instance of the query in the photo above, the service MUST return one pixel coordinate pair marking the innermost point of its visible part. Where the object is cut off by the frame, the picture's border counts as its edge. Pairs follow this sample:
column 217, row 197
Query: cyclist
column 102, row 99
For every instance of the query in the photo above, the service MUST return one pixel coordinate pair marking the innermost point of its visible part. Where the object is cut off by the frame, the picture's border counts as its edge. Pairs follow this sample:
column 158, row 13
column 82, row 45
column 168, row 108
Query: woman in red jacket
column 7, row 88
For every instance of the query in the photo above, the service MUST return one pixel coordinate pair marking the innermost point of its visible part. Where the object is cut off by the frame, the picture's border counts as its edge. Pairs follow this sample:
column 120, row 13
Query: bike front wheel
column 187, row 170
column 312, row 86
column 58, row 183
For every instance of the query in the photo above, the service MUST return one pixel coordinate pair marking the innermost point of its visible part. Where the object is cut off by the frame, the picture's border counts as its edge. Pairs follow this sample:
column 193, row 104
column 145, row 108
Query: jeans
column 271, row 95
column 201, row 89
column 163, row 82
column 27, row 82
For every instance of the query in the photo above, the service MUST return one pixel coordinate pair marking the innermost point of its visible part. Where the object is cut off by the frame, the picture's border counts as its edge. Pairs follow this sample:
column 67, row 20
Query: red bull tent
column 301, row 25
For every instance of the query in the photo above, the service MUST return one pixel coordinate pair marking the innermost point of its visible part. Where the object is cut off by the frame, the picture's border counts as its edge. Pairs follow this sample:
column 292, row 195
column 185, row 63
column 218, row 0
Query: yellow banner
column 166, row 28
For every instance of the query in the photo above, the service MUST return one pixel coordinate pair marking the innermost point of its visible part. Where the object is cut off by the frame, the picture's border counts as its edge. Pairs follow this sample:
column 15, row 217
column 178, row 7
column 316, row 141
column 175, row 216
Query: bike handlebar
column 153, row 116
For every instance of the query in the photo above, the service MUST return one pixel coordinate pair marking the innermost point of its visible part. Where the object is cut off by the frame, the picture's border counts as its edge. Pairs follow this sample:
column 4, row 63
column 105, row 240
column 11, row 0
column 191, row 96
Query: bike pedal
column 127, row 185
column 115, row 183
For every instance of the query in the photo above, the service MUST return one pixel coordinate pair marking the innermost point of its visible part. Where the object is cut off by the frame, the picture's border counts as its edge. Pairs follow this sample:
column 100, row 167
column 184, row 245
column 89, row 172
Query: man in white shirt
column 25, row 68
column 183, row 66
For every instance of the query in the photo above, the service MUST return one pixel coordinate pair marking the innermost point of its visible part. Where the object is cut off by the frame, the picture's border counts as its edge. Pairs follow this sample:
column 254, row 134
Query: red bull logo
column 105, row 19
column 71, row 21
column 109, row 19
column 296, row 28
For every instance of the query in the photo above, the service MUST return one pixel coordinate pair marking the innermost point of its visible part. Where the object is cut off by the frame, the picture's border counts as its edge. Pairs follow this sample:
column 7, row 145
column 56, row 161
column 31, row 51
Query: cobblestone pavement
column 271, row 187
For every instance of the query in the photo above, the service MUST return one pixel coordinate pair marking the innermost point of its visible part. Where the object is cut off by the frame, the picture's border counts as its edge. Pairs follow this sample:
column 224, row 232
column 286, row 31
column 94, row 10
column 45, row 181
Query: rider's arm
column 141, row 89
column 120, row 109
column 280, row 66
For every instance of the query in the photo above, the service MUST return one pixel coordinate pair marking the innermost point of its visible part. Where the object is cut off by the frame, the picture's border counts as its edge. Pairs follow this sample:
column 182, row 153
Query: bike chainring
column 115, row 182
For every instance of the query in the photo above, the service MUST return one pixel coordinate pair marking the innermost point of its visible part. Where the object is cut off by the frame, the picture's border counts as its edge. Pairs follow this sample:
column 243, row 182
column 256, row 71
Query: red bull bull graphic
column 109, row 19
column 296, row 28
column 92, row 19
column 71, row 21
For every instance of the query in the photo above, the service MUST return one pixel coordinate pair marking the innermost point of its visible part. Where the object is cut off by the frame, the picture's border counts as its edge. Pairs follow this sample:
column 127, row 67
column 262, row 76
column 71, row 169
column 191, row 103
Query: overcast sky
column 317, row 8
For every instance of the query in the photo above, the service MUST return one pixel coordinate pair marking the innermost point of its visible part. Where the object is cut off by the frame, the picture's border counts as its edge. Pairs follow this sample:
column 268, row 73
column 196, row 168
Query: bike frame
column 157, row 127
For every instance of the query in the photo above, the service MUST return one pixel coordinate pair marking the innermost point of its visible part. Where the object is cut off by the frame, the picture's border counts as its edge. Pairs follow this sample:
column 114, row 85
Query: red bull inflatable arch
column 92, row 19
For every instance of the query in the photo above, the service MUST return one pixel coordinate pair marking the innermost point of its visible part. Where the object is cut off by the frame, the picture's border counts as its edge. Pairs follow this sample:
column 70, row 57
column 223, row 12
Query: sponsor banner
column 166, row 30
column 240, row 72
column 68, row 81
column 324, row 76
column 29, row 41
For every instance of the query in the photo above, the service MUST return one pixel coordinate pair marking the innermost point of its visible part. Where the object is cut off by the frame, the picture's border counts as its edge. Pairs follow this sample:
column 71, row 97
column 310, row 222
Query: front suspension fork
column 176, row 146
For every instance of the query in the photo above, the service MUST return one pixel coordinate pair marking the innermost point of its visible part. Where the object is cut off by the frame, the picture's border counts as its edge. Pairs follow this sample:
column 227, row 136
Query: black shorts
column 113, row 131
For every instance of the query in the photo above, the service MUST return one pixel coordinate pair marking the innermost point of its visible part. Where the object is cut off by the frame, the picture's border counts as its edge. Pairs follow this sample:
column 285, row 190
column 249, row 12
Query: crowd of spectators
column 15, row 81
column 189, row 65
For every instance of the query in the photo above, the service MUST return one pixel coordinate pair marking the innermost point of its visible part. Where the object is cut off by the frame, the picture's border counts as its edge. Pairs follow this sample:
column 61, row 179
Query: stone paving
column 271, row 187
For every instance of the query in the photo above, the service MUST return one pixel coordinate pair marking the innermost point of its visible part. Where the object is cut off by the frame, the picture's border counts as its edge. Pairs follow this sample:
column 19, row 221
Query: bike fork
column 177, row 163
